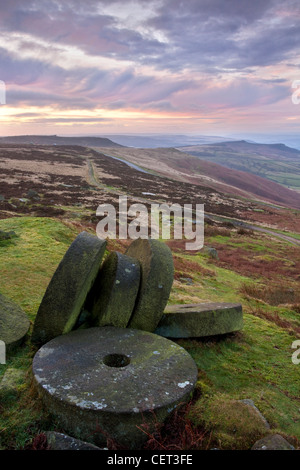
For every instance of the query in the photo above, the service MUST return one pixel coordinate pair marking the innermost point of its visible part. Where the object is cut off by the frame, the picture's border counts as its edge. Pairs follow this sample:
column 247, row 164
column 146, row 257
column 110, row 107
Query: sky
column 214, row 67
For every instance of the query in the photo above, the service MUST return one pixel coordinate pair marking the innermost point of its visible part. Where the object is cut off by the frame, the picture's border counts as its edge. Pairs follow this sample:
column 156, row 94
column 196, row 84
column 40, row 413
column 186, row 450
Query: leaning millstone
column 68, row 288
column 113, row 295
column 108, row 382
column 14, row 323
column 157, row 273
column 199, row 320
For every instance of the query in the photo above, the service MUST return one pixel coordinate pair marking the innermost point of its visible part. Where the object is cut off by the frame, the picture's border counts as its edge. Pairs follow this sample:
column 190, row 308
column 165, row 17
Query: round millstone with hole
column 109, row 382
column 68, row 288
column 113, row 295
column 157, row 274
column 200, row 320
column 14, row 323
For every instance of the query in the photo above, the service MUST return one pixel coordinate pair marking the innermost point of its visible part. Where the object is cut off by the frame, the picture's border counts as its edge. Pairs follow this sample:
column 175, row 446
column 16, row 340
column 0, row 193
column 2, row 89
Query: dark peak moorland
column 58, row 140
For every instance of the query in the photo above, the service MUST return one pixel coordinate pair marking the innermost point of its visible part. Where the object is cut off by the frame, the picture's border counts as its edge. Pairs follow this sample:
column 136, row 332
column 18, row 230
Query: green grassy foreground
column 255, row 363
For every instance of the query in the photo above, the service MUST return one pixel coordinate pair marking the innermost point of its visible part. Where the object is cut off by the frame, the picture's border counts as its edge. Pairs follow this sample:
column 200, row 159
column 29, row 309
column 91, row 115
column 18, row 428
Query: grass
column 27, row 263
column 232, row 424
column 29, row 260
column 289, row 234
column 254, row 363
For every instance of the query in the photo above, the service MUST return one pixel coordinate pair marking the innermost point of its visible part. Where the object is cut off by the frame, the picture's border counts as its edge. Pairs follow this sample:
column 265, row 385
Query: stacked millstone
column 102, row 369
column 126, row 290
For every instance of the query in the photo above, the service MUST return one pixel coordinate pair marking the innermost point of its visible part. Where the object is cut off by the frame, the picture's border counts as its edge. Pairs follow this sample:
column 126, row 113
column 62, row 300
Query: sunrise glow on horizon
column 153, row 66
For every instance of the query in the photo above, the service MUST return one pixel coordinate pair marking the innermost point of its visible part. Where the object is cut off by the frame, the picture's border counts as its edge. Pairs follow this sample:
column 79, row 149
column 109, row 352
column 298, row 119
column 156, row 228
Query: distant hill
column 276, row 162
column 163, row 140
column 184, row 167
column 57, row 140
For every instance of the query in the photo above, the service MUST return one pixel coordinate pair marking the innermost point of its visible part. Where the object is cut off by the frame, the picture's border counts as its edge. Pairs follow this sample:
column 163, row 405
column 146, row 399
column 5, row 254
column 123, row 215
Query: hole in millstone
column 116, row 360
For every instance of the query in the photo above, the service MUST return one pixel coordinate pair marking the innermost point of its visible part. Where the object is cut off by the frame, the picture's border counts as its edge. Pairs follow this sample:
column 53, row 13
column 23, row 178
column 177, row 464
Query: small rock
column 187, row 280
column 32, row 194
column 2, row 198
column 251, row 403
column 11, row 380
column 212, row 252
column 233, row 424
column 7, row 235
column 272, row 442
column 59, row 441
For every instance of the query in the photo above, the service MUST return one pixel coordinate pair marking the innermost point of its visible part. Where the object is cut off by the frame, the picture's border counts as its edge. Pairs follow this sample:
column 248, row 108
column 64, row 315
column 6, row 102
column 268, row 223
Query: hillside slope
column 184, row 167
column 276, row 162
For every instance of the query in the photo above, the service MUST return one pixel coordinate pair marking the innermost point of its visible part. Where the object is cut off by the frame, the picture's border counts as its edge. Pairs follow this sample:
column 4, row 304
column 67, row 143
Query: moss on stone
column 113, row 295
column 200, row 320
column 82, row 391
column 67, row 291
column 157, row 273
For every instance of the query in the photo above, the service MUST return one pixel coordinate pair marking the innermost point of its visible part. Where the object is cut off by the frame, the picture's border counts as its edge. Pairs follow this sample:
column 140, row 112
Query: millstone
column 68, row 288
column 157, row 273
column 113, row 295
column 199, row 320
column 105, row 382
column 14, row 323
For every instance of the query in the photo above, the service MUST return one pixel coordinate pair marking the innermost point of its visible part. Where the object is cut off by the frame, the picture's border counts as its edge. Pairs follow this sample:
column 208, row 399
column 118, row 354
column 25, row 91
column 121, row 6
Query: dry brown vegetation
column 184, row 167
column 271, row 294
column 285, row 264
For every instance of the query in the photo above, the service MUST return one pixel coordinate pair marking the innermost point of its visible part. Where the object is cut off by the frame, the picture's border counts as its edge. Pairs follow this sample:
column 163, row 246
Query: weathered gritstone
column 68, row 288
column 113, row 295
column 14, row 323
column 200, row 320
column 157, row 273
column 113, row 380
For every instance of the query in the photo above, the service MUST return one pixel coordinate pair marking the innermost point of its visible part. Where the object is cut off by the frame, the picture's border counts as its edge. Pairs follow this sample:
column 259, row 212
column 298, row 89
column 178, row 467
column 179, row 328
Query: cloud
column 169, row 56
column 167, row 34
